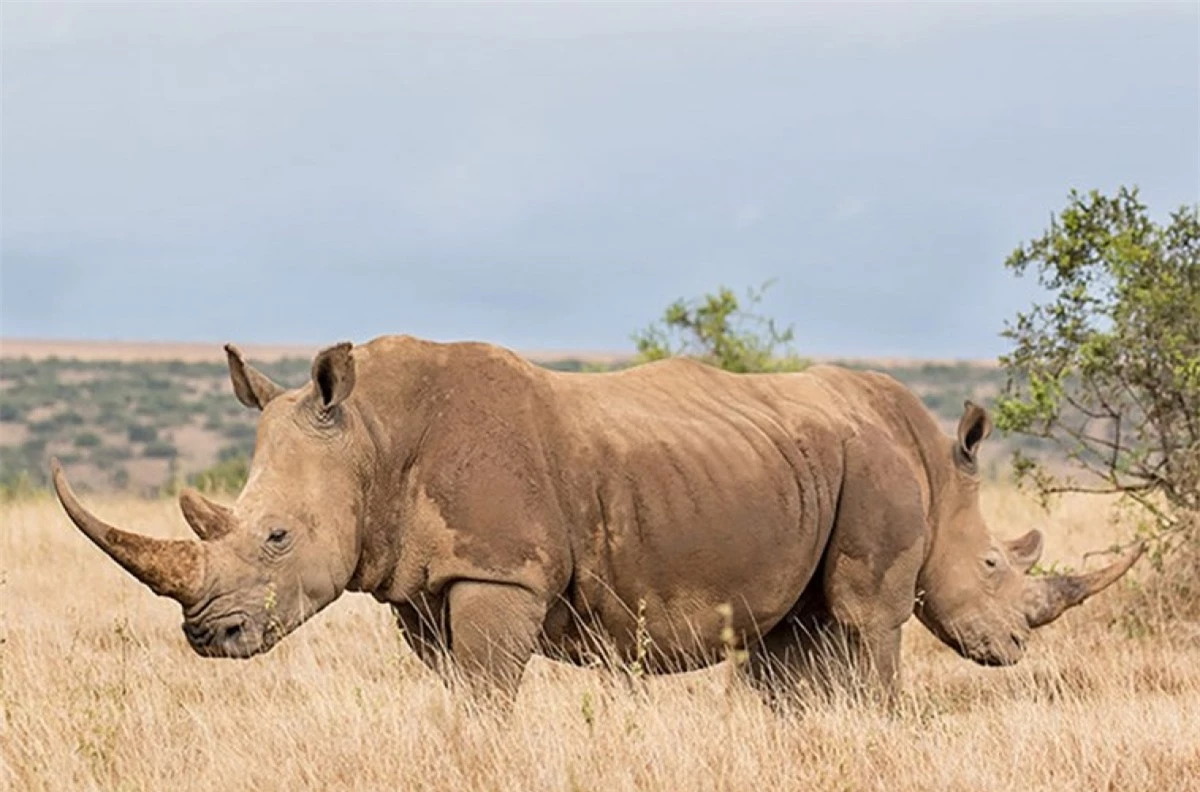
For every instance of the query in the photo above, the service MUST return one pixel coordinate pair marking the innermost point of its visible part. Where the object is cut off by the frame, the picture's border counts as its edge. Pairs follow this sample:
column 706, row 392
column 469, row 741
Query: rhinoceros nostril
column 196, row 634
column 231, row 633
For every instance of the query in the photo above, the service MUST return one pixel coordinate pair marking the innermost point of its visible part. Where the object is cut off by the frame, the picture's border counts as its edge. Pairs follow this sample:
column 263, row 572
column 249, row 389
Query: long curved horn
column 170, row 567
column 208, row 519
column 1047, row 598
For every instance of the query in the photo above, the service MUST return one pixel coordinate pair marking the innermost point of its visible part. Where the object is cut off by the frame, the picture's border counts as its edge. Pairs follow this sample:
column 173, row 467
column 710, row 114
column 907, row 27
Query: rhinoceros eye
column 278, row 537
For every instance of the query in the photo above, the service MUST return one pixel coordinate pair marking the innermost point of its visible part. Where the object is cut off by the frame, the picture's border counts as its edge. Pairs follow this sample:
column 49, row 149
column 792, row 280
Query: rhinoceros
column 664, row 511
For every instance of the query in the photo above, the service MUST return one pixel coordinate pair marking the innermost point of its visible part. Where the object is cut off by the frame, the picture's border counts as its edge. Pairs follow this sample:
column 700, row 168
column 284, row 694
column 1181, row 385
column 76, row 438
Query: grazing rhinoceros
column 503, row 509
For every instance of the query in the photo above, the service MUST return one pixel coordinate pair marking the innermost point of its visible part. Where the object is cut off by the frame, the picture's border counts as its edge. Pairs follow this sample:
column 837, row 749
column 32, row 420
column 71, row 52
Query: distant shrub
column 239, row 431
column 935, row 400
column 112, row 418
column 21, row 471
column 87, row 440
column 20, row 368
column 236, row 450
column 106, row 455
column 19, row 484
column 119, row 477
column 43, row 427
column 160, row 449
column 228, row 475
column 718, row 330
column 10, row 412
column 288, row 371
column 140, row 433
column 68, row 418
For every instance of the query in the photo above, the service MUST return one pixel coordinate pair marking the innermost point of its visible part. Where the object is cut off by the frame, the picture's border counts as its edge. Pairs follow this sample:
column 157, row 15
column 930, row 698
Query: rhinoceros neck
column 928, row 448
column 941, row 482
column 396, row 390
column 425, row 409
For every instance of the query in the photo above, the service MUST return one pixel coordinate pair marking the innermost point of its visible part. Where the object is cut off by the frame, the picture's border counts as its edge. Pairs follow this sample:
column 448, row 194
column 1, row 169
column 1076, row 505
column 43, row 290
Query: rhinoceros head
column 976, row 593
column 289, row 544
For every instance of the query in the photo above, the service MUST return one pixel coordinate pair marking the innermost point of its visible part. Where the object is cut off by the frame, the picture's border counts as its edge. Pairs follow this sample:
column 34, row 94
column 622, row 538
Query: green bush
column 717, row 330
column 1109, row 367
column 227, row 476
column 1107, row 370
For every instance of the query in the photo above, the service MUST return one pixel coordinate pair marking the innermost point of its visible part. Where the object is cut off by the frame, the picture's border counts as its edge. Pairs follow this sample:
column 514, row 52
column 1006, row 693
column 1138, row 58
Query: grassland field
column 98, row 689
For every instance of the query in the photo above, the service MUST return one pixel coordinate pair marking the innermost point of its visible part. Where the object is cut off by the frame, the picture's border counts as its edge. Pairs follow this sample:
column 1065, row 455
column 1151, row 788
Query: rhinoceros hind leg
column 494, row 628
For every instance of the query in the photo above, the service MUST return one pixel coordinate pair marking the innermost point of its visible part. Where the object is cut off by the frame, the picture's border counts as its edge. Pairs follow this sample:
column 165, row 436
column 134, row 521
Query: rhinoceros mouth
column 233, row 635
column 993, row 654
column 994, row 660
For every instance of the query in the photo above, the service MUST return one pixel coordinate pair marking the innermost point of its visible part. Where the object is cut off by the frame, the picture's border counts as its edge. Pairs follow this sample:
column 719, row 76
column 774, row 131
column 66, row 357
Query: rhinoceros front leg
column 493, row 631
column 423, row 626
column 854, row 610
column 828, row 656
column 868, row 605
column 814, row 649
column 873, row 560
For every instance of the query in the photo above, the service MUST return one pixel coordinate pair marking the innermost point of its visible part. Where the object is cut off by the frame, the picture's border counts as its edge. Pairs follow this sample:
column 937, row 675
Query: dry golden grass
column 99, row 691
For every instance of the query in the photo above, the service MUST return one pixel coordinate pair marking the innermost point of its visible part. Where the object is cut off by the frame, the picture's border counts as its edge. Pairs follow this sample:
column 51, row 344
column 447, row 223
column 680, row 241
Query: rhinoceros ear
column 973, row 429
column 1024, row 551
column 252, row 387
column 333, row 374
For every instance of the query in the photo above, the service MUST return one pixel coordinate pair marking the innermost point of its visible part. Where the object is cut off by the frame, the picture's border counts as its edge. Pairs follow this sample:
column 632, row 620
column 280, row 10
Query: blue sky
column 551, row 176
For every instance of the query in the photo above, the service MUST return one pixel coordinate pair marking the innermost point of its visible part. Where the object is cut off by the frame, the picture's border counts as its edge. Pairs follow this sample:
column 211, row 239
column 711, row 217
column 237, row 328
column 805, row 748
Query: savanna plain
column 98, row 690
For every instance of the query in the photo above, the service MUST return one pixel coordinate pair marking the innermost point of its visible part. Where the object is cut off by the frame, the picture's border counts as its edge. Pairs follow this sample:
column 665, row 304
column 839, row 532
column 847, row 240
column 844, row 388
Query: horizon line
column 88, row 349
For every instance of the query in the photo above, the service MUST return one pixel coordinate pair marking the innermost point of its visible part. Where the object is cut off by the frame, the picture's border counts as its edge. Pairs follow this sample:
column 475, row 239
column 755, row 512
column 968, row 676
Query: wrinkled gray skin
column 502, row 509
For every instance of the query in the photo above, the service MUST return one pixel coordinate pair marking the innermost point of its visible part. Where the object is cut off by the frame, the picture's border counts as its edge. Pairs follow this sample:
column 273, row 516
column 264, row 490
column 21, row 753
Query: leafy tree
column 718, row 330
column 1108, row 368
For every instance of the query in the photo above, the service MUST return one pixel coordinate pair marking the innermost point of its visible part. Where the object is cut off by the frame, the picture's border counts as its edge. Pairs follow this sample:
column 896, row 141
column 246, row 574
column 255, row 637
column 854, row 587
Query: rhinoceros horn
column 170, row 567
column 207, row 519
column 1048, row 597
